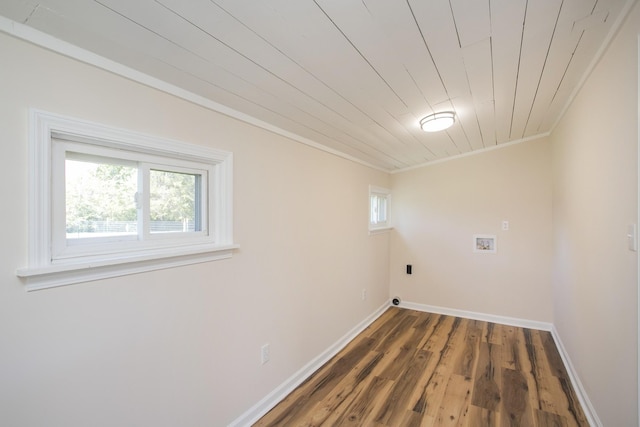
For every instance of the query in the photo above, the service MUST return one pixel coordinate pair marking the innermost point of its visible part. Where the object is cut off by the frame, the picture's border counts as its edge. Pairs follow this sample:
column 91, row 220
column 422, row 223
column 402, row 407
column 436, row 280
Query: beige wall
column 595, row 198
column 179, row 346
column 436, row 211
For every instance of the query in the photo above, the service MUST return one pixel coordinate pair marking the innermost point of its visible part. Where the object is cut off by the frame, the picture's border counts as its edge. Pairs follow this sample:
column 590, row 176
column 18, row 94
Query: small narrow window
column 379, row 200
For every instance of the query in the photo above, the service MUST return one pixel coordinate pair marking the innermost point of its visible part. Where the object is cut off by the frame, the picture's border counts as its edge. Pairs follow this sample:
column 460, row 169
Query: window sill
column 55, row 275
column 374, row 231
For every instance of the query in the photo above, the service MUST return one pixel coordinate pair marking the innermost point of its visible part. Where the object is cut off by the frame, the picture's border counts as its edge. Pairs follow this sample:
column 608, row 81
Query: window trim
column 376, row 228
column 42, row 272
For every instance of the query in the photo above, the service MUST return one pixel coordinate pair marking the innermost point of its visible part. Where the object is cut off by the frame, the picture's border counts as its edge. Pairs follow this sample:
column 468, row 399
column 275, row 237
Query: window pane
column 174, row 202
column 374, row 209
column 382, row 209
column 378, row 209
column 100, row 198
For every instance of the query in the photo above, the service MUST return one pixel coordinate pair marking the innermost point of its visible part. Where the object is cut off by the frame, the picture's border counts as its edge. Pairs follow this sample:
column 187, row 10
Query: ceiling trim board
column 473, row 153
column 69, row 50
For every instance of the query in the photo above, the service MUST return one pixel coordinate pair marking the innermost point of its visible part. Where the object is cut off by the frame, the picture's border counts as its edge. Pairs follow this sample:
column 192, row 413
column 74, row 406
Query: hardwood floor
column 410, row 368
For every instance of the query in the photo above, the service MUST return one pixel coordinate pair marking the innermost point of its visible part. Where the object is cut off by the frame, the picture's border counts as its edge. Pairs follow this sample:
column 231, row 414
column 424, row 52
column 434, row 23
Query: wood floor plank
column 404, row 352
column 509, row 338
column 553, row 398
column 415, row 419
column 486, row 392
column 467, row 361
column 547, row 419
column 388, row 342
column 393, row 410
column 439, row 372
column 415, row 369
column 481, row 417
column 455, row 405
column 426, row 321
column 540, row 374
column 578, row 418
column 441, row 330
column 345, row 391
column 553, row 356
column 362, row 410
column 379, row 330
column 493, row 334
column 515, row 402
column 525, row 365
column 429, row 324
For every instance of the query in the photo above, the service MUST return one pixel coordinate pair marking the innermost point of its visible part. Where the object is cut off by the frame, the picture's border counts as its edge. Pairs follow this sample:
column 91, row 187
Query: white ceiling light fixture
column 438, row 121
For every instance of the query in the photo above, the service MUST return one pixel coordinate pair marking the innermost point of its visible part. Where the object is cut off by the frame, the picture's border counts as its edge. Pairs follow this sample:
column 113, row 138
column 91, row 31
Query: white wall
column 438, row 208
column 595, row 198
column 179, row 346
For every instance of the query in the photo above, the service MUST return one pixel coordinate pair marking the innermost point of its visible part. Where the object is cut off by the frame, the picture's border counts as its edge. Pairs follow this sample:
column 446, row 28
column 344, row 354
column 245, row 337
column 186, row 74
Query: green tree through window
column 101, row 200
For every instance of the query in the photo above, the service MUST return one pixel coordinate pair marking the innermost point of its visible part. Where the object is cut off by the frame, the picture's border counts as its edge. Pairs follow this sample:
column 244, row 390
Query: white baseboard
column 511, row 321
column 588, row 408
column 272, row 399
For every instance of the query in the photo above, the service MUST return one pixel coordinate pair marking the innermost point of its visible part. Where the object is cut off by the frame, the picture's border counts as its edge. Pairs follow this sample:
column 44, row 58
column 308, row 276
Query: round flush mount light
column 438, row 121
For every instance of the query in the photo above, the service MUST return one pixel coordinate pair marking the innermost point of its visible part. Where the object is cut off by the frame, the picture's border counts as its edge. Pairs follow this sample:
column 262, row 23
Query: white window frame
column 379, row 193
column 63, row 248
column 52, row 262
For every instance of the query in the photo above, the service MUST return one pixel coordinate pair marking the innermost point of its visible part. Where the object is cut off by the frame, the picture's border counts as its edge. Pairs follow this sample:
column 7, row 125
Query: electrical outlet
column 364, row 295
column 265, row 353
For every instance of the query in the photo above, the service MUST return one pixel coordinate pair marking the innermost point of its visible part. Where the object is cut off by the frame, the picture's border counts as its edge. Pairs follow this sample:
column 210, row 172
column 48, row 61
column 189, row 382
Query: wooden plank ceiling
column 355, row 75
